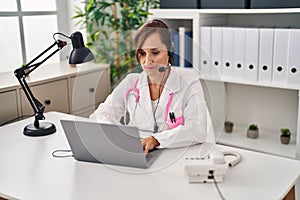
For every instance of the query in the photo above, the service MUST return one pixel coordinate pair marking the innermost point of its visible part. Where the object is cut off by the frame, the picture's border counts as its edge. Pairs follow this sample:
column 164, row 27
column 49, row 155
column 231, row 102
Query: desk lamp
column 79, row 54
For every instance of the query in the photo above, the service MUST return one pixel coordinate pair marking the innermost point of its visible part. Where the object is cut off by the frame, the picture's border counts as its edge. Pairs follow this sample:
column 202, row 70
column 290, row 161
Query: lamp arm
column 20, row 73
column 60, row 44
column 37, row 107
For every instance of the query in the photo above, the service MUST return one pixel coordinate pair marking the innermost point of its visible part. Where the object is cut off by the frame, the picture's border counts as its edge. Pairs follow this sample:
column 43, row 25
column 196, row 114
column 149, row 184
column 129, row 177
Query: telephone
column 209, row 169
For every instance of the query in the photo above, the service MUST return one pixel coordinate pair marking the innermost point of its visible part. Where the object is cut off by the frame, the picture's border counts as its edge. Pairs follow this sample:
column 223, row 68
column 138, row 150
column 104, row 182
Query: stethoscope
column 136, row 93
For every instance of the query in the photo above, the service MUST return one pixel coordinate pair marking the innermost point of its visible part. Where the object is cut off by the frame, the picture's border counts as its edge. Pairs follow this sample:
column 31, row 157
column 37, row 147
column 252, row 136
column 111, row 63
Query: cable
column 58, row 41
column 235, row 161
column 154, row 112
column 59, row 34
column 55, row 155
column 216, row 184
column 16, row 119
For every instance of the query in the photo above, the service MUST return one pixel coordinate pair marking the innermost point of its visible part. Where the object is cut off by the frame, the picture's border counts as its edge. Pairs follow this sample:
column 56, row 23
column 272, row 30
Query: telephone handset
column 209, row 169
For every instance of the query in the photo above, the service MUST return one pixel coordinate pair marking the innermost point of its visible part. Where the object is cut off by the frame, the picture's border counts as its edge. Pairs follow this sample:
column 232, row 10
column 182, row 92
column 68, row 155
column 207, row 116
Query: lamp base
column 45, row 128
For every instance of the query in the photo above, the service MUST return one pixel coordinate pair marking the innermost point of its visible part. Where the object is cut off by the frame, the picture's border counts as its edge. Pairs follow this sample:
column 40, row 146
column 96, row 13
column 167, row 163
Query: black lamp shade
column 80, row 53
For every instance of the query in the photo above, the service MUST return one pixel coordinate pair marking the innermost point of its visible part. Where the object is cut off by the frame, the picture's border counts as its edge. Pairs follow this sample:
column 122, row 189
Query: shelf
column 260, row 84
column 246, row 82
column 49, row 72
column 267, row 142
column 175, row 12
column 276, row 106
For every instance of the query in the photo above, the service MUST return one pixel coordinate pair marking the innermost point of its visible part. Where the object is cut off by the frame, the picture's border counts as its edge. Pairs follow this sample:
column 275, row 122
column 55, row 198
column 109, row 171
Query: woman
column 162, row 99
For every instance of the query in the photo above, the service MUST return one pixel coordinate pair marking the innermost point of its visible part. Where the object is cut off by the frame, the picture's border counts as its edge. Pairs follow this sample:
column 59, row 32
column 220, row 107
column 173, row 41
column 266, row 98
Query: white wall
column 67, row 25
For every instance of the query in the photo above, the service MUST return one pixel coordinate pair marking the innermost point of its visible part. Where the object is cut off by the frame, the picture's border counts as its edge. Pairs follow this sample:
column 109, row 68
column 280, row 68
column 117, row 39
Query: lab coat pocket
column 178, row 121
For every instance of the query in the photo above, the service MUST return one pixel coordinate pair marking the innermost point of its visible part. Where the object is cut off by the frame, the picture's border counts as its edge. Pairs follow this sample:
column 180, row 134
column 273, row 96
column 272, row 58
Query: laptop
column 107, row 144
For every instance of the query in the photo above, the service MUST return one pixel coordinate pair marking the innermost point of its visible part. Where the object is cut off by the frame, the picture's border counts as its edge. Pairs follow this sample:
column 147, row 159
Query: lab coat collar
column 172, row 85
column 173, row 81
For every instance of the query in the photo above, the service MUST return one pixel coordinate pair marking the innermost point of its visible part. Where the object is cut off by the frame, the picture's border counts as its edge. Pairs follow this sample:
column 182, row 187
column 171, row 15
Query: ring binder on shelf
column 185, row 47
column 251, row 54
column 293, row 74
column 280, row 55
column 216, row 52
column 265, row 60
column 205, row 51
column 227, row 52
column 239, row 42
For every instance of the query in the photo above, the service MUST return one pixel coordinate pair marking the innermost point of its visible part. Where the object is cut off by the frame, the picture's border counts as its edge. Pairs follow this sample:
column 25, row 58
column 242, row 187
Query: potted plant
column 110, row 27
column 252, row 131
column 285, row 135
column 228, row 126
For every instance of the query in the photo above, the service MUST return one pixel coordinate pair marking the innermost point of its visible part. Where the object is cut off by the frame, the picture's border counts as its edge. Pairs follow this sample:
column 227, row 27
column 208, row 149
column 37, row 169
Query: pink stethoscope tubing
column 168, row 106
column 137, row 99
column 135, row 90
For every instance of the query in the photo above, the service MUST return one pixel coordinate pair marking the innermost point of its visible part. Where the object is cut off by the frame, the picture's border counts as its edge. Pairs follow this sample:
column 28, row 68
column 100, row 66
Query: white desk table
column 28, row 171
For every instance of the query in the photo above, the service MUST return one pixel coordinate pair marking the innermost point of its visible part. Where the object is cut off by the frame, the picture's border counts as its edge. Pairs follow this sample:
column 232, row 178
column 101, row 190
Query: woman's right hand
column 149, row 143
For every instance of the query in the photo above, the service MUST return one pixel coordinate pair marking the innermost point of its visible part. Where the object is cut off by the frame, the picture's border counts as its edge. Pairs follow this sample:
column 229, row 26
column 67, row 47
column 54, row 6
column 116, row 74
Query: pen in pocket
column 172, row 117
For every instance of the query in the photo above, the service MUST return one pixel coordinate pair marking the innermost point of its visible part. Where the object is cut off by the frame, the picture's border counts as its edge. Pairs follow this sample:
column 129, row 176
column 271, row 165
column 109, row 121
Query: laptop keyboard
column 152, row 153
column 148, row 156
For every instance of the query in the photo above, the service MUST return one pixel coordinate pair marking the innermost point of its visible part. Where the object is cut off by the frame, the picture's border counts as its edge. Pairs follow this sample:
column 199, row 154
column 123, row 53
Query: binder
column 188, row 49
column 280, row 56
column 205, row 51
column 190, row 4
column 265, row 55
column 293, row 74
column 224, row 4
column 175, row 37
column 267, row 4
column 251, row 54
column 216, row 52
column 185, row 47
column 227, row 52
column 239, row 43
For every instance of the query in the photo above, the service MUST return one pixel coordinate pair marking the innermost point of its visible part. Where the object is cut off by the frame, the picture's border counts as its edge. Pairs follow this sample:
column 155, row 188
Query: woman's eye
column 142, row 53
column 155, row 52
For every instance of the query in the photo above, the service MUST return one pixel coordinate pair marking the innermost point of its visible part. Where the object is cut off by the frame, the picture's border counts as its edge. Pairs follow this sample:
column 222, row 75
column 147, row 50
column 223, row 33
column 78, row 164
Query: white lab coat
column 188, row 101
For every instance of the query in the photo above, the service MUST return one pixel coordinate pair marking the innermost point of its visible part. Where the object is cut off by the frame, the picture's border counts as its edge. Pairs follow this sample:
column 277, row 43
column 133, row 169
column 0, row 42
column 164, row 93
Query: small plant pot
column 228, row 127
column 285, row 139
column 252, row 134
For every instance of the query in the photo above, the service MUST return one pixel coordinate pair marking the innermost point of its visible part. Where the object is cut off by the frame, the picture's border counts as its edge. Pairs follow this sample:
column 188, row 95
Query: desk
column 28, row 171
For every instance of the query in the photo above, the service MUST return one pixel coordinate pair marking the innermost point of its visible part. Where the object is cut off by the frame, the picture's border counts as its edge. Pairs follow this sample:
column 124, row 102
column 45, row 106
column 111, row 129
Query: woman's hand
column 149, row 143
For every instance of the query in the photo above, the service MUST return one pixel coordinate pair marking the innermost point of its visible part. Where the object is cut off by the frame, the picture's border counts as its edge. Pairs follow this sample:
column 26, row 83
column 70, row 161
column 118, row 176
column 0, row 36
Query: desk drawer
column 9, row 106
column 53, row 95
column 89, row 90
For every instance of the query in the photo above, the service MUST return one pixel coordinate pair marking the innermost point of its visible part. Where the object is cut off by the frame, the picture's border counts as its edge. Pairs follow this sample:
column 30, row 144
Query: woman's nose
column 148, row 59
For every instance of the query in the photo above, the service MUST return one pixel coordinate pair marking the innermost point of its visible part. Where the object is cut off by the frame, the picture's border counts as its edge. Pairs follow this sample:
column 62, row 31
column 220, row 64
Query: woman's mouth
column 149, row 67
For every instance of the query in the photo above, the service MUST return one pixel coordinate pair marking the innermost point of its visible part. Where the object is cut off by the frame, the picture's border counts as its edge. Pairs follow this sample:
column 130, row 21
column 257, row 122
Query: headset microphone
column 163, row 69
